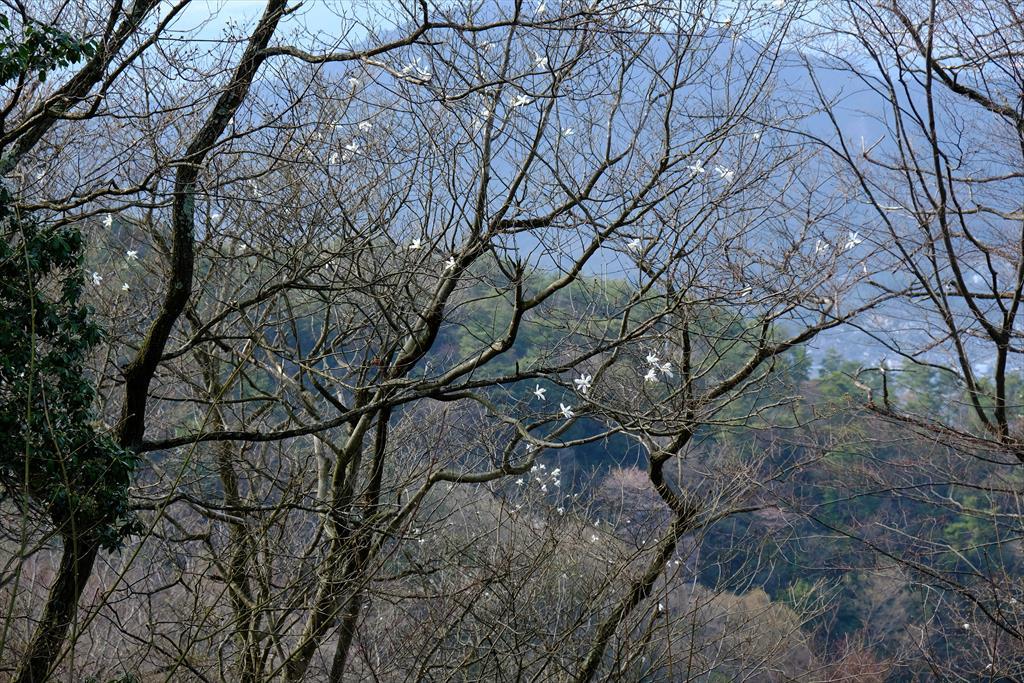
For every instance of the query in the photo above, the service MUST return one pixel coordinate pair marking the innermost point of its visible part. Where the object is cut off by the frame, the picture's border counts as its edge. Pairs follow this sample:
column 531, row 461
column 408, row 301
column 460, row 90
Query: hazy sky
column 329, row 19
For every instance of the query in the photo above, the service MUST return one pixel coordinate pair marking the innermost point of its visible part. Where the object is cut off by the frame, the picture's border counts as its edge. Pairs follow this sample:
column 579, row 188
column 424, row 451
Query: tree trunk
column 345, row 635
column 76, row 564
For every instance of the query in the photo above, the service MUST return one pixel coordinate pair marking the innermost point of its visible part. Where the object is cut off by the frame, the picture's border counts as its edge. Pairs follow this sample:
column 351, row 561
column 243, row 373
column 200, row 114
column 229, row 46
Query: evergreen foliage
column 56, row 457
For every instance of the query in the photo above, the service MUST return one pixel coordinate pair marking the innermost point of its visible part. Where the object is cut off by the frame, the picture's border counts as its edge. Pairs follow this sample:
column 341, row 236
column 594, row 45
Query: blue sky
column 213, row 17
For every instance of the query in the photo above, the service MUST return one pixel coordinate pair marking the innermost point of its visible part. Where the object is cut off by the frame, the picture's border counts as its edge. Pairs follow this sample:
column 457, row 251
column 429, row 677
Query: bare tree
column 939, row 171
column 346, row 289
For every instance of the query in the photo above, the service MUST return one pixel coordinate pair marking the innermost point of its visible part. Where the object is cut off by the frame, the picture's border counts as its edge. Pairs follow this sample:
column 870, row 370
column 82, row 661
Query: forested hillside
column 351, row 340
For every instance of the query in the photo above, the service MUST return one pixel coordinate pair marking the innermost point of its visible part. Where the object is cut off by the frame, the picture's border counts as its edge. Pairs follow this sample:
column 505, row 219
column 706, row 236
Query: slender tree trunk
column 345, row 573
column 639, row 591
column 346, row 633
column 350, row 617
column 76, row 563
column 321, row 616
column 239, row 559
column 684, row 521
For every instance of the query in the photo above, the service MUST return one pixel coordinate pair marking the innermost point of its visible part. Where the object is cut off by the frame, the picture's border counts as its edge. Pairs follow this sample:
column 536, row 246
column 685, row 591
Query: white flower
column 966, row 626
column 519, row 481
column 365, row 126
column 125, row 287
column 567, row 132
column 593, row 538
column 352, row 147
column 521, row 101
column 852, row 240
column 651, row 376
column 661, row 607
column 414, row 65
column 539, row 392
column 132, row 254
column 540, row 61
column 820, row 246
column 108, row 220
column 561, row 511
column 557, row 483
column 696, row 169
column 583, row 383
column 216, row 217
column 543, row 466
column 353, row 82
column 635, row 244
column 544, row 488
column 566, row 411
column 334, row 159
column 416, row 244
column 450, row 263
column 534, row 468
column 555, row 472
column 97, row 279
column 724, row 173
column 652, row 359
column 666, row 369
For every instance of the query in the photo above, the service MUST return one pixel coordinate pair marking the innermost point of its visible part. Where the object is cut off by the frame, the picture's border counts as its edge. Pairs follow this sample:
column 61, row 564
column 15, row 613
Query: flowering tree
column 939, row 173
column 356, row 292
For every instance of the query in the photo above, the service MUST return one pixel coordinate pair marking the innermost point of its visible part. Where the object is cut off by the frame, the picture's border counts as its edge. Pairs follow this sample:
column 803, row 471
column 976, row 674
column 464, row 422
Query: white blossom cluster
column 545, row 480
column 656, row 367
